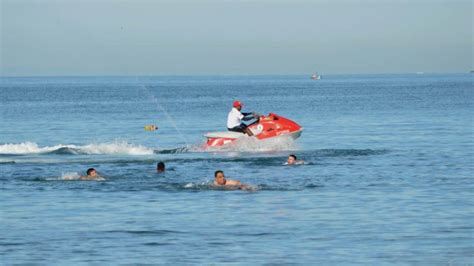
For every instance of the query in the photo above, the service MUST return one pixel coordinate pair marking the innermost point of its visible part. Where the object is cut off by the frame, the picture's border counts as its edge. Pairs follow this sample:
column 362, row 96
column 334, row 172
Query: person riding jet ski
column 235, row 117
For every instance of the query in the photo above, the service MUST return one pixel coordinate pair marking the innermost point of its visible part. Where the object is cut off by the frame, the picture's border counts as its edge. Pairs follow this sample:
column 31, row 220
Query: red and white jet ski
column 269, row 126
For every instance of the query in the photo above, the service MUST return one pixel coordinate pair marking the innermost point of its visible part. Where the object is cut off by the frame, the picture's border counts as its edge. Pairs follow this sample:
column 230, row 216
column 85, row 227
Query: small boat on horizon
column 315, row 76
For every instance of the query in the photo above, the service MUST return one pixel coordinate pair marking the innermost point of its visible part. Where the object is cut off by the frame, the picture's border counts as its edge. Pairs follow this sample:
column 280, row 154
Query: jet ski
column 265, row 127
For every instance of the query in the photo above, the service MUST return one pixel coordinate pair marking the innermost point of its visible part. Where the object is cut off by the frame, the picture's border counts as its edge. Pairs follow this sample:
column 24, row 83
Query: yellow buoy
column 150, row 128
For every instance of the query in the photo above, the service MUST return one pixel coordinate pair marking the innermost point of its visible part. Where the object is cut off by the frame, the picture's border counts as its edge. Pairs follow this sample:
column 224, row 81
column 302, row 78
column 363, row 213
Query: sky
column 211, row 37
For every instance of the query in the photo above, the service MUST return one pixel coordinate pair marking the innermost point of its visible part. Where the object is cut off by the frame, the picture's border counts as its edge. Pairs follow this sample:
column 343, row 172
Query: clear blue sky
column 105, row 37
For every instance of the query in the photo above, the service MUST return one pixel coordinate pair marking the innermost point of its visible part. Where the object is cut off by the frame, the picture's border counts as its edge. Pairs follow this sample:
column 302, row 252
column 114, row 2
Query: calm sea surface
column 388, row 176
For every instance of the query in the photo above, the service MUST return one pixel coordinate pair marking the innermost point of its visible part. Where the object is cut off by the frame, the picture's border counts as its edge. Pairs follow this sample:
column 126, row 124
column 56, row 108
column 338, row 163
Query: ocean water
column 388, row 177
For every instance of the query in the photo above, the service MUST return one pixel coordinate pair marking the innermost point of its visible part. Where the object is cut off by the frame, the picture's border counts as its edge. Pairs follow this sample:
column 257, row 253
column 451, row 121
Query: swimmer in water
column 293, row 161
column 221, row 181
column 91, row 175
column 160, row 167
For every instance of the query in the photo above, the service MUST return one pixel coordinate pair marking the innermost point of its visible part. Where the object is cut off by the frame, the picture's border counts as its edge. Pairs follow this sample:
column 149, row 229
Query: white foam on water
column 70, row 176
column 26, row 148
column 252, row 144
column 74, row 176
column 116, row 147
column 244, row 144
column 189, row 185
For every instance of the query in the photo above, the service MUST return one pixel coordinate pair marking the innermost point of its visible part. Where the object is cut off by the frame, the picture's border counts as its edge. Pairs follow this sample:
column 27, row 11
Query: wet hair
column 160, row 166
column 292, row 155
column 218, row 171
column 90, row 170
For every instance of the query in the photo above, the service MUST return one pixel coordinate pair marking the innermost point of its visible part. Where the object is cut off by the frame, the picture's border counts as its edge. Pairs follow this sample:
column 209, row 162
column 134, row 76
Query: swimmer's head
column 91, row 172
column 219, row 177
column 160, row 167
column 291, row 159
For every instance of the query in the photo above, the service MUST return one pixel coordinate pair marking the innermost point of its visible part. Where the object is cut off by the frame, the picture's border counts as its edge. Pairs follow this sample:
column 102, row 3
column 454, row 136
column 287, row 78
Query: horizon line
column 227, row 75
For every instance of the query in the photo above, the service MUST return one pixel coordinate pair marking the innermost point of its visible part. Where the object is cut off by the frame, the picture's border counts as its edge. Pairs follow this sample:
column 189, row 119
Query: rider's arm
column 249, row 116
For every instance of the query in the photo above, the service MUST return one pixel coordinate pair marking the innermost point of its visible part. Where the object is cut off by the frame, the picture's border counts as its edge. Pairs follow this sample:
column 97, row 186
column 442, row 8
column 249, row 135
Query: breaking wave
column 122, row 147
column 248, row 146
column 116, row 147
